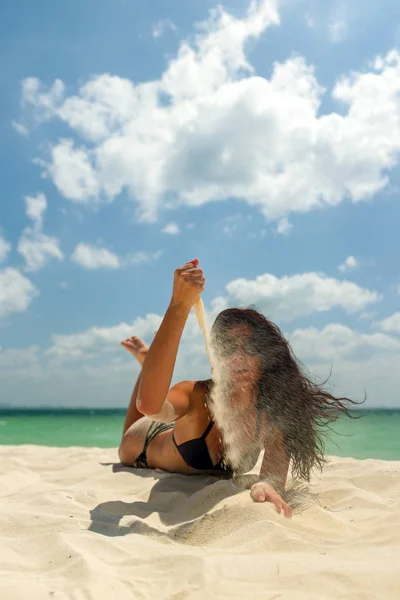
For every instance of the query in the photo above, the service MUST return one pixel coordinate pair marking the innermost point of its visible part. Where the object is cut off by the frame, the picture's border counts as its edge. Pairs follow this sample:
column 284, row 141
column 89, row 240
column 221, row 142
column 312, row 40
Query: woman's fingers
column 260, row 496
column 281, row 505
column 262, row 492
column 195, row 272
column 193, row 275
column 192, row 264
column 287, row 511
column 189, row 283
column 278, row 504
column 258, row 493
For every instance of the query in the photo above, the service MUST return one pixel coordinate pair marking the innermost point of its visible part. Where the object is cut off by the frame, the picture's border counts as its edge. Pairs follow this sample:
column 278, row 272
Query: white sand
column 70, row 527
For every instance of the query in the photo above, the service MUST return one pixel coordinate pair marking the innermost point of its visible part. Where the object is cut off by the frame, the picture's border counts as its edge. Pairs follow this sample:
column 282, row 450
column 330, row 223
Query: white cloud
column 5, row 248
column 92, row 257
column 339, row 341
column 254, row 236
column 289, row 297
column 226, row 132
column 368, row 315
column 36, row 247
column 391, row 324
column 309, row 21
column 230, row 228
column 35, row 208
column 350, row 263
column 143, row 257
column 73, row 173
column 284, row 226
column 338, row 30
column 102, row 339
column 16, row 291
column 20, row 128
column 359, row 362
column 23, row 358
column 171, row 229
column 45, row 103
column 161, row 27
column 232, row 222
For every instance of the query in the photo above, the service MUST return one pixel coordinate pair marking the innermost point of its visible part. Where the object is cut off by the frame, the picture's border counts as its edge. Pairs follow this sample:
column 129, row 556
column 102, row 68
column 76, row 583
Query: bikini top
column 195, row 453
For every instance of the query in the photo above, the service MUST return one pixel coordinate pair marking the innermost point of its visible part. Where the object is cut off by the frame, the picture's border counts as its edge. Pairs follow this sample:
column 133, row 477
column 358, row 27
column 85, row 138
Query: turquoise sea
column 375, row 434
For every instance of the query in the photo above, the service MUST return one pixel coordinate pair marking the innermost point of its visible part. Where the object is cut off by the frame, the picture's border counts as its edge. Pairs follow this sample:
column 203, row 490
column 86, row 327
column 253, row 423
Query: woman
column 258, row 397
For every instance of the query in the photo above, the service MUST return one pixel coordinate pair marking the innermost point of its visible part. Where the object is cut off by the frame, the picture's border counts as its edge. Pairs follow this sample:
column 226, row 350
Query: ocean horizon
column 373, row 434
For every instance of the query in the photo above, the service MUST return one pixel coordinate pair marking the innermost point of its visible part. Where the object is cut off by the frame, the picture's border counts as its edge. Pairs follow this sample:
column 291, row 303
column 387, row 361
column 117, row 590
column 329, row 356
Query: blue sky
column 261, row 138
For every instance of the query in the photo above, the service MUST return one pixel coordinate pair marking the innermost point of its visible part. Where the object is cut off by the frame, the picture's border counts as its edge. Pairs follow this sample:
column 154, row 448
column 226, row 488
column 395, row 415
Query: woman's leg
column 135, row 425
column 138, row 349
column 132, row 414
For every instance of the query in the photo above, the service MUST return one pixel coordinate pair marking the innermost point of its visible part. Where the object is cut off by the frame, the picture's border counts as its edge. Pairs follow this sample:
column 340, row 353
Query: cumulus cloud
column 229, row 229
column 92, row 257
column 16, row 291
column 289, row 297
column 162, row 27
column 350, row 263
column 143, row 257
column 95, row 257
column 231, row 223
column 73, row 173
column 19, row 128
column 16, row 359
column 359, row 362
column 391, row 324
column 102, row 339
column 35, row 208
column 309, row 21
column 5, row 248
column 171, row 229
column 225, row 132
column 337, row 341
column 44, row 102
column 337, row 30
column 36, row 247
column 284, row 227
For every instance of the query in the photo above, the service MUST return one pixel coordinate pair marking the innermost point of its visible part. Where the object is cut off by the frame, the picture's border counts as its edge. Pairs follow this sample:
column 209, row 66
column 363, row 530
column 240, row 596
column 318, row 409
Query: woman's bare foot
column 136, row 347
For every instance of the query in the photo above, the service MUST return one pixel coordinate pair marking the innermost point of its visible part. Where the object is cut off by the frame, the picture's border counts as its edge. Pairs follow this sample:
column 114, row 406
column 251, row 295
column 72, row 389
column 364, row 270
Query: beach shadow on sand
column 183, row 504
column 179, row 500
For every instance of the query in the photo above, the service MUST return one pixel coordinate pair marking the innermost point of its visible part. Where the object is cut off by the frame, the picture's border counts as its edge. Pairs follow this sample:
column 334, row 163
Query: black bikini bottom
column 154, row 429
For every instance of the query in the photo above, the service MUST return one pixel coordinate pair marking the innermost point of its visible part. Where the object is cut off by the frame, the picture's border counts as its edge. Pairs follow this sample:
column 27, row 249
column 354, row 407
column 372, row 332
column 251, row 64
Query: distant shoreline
column 4, row 411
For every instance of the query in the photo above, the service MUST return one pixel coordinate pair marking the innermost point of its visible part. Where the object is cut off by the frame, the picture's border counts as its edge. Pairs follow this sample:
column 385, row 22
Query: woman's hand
column 188, row 284
column 264, row 492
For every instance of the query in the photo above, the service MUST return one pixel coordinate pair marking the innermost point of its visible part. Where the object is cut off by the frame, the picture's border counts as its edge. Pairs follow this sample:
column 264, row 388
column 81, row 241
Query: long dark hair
column 294, row 403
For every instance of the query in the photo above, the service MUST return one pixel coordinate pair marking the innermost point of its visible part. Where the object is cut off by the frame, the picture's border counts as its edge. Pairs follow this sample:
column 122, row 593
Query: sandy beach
column 76, row 524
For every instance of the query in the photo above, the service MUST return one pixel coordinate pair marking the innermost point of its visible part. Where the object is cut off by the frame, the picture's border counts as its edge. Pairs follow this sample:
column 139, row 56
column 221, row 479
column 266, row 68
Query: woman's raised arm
column 158, row 367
